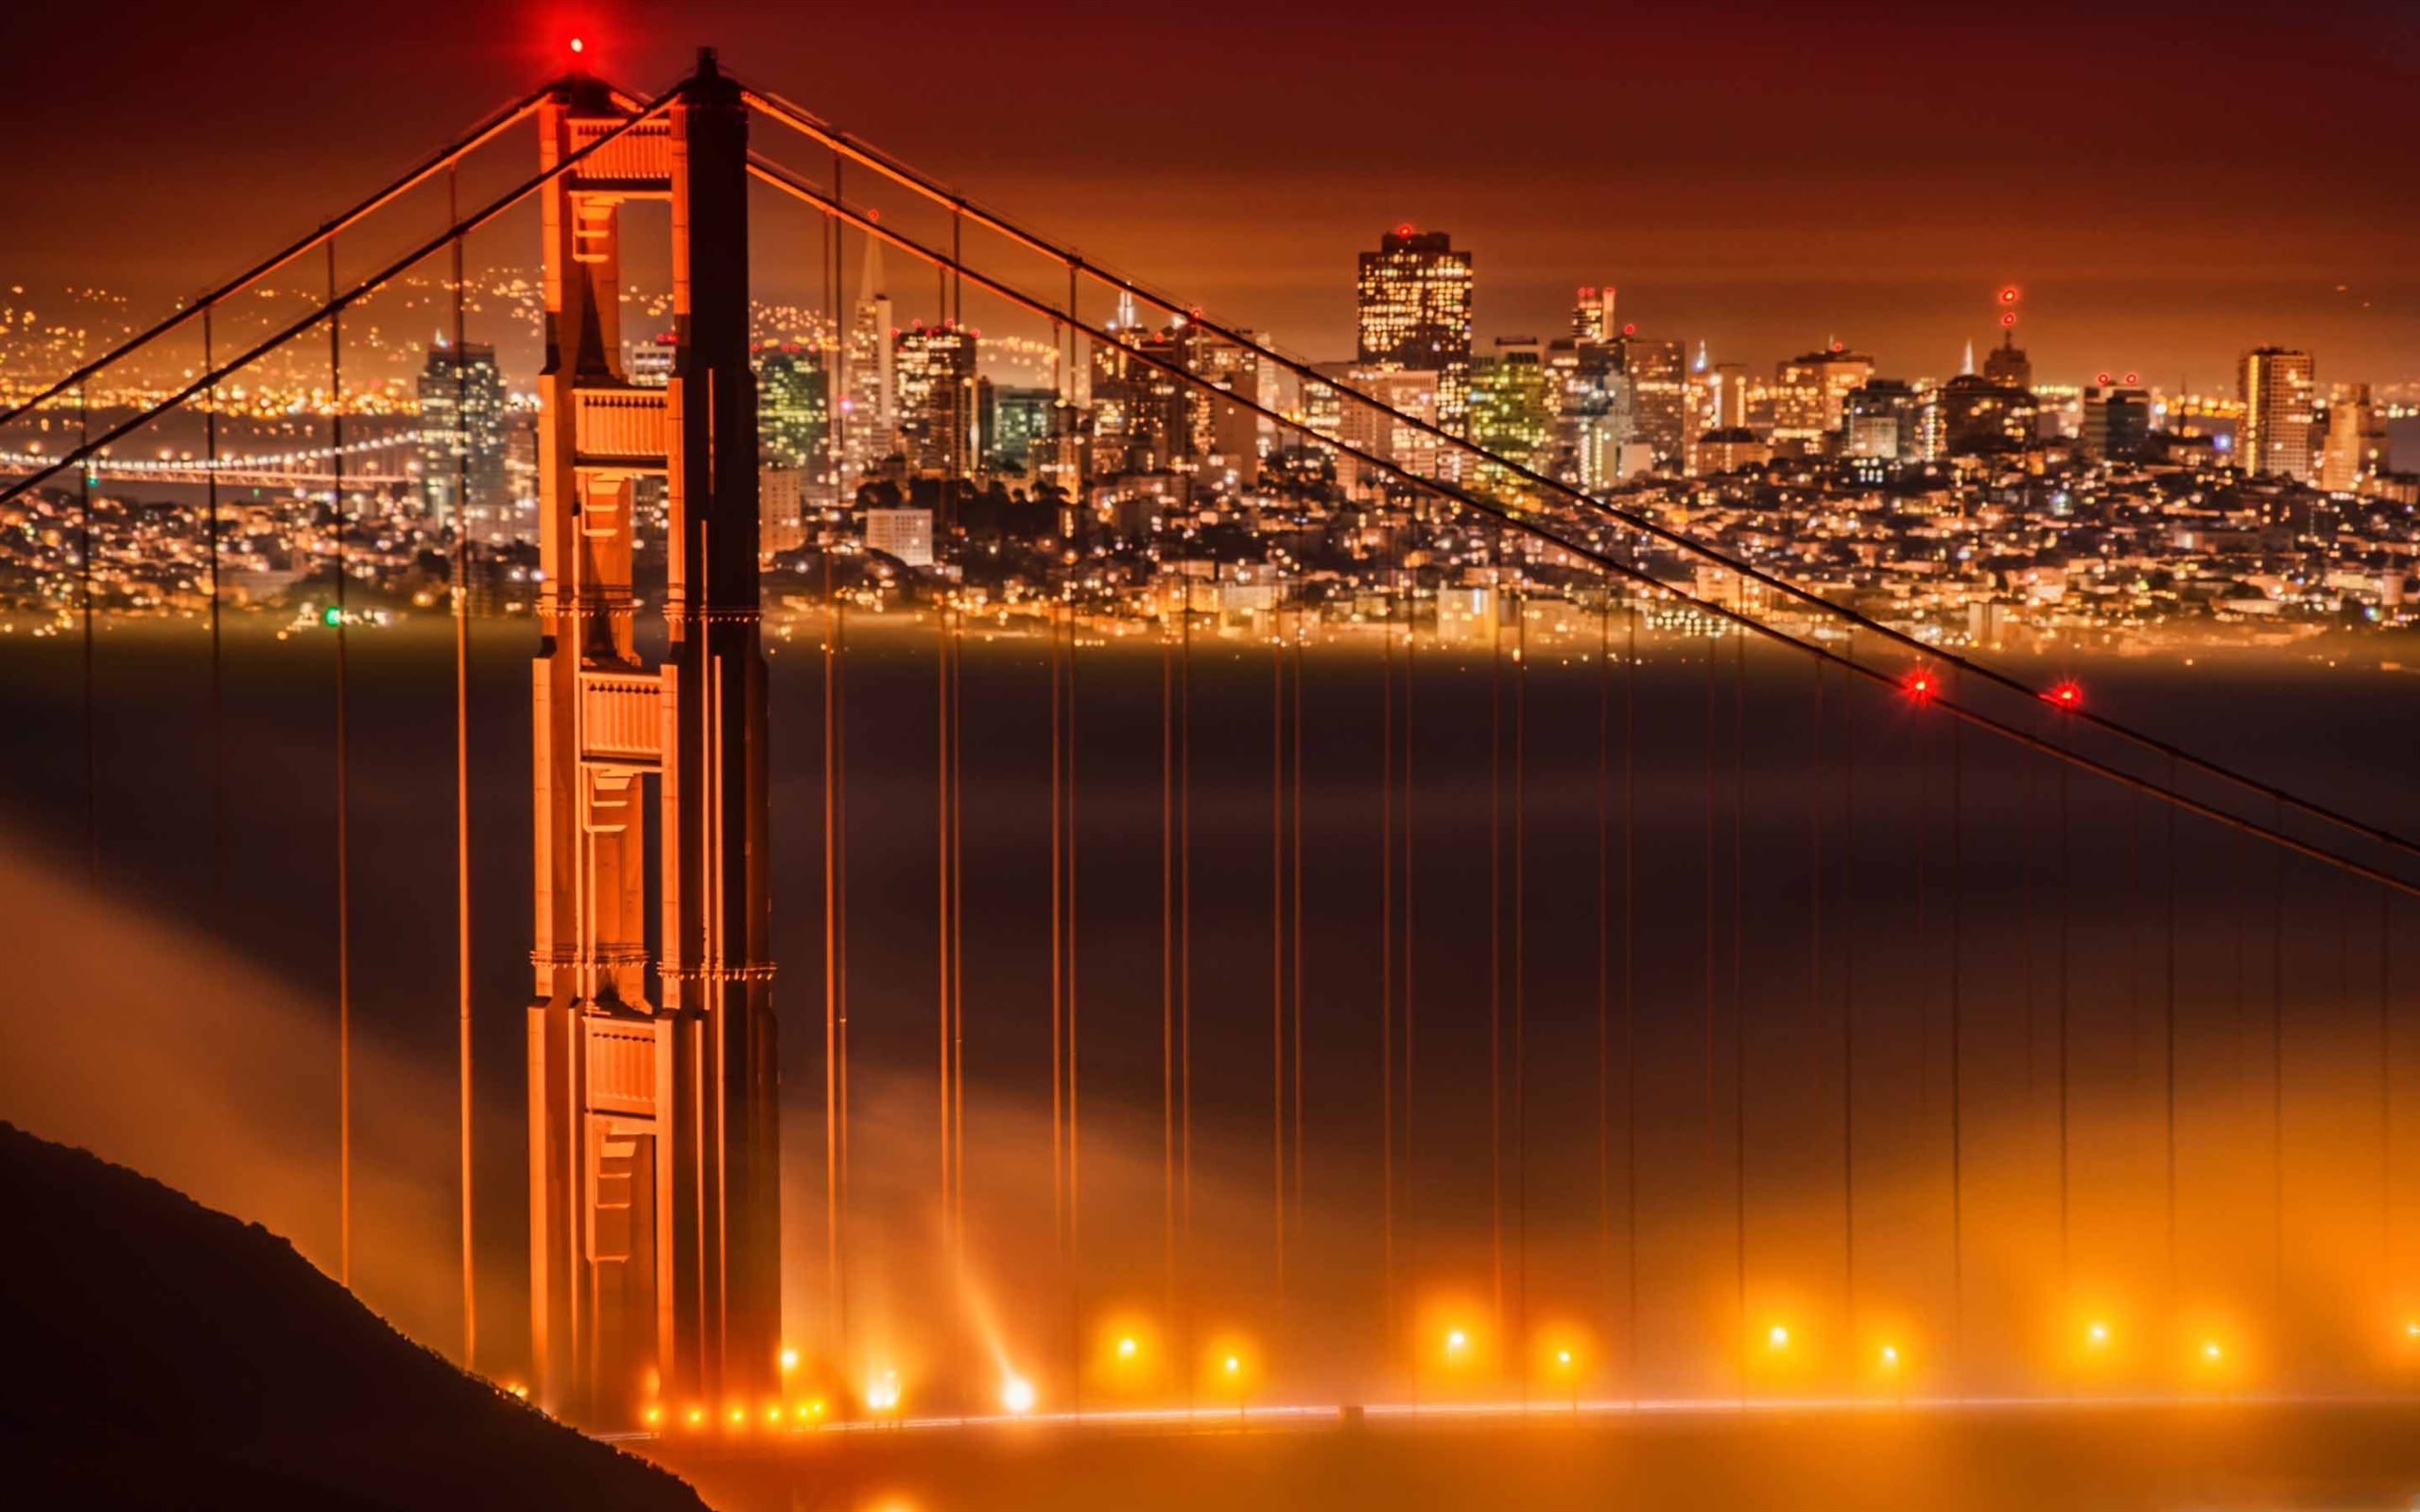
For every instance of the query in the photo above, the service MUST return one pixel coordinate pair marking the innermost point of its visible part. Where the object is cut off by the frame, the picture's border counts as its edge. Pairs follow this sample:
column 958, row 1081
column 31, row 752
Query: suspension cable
column 344, row 862
column 1606, row 562
column 963, row 208
column 84, row 598
column 462, row 600
column 336, row 303
column 444, row 158
column 217, row 658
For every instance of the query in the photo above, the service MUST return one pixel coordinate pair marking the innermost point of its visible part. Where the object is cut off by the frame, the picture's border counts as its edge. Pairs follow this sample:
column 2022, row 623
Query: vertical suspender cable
column 1848, row 1011
column 462, row 597
column 1185, row 958
column 1407, row 895
column 1497, row 931
column 1296, row 861
column 217, row 662
column 1277, row 947
column 2386, row 1097
column 1058, row 940
column 2277, row 1083
column 2167, row 1050
column 86, row 471
column 1630, row 999
column 344, row 933
column 1386, row 973
column 1075, row 1125
column 1521, row 982
column 1956, row 1047
column 1604, row 936
column 2067, row 1067
column 1167, row 973
column 941, row 919
column 1739, row 1002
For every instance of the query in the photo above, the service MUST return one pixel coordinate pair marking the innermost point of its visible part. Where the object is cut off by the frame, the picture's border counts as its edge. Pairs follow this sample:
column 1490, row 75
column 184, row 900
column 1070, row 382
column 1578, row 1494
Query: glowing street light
column 1233, row 1366
column 1016, row 1394
column 1777, row 1338
column 882, row 1393
column 1456, row 1341
column 654, row 1414
column 2095, row 1334
column 1890, row 1357
column 1127, row 1347
column 789, row 1360
column 2211, row 1351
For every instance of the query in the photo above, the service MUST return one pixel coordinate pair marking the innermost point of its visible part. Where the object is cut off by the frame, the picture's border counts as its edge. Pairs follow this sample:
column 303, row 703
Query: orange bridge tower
column 654, row 1196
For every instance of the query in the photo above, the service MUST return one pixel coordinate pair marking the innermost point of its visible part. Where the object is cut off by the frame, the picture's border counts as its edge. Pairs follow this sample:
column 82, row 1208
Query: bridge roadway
column 1979, row 1455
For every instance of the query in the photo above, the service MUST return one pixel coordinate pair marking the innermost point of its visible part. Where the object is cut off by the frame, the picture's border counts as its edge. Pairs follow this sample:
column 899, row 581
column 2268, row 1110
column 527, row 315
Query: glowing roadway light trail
column 1310, row 1417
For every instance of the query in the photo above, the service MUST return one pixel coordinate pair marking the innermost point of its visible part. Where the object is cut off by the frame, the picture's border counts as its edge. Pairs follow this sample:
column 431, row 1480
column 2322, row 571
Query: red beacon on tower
column 2065, row 694
column 1921, row 685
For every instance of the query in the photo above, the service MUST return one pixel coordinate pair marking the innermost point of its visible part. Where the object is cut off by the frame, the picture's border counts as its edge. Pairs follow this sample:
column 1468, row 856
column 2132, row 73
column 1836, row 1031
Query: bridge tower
column 654, row 1198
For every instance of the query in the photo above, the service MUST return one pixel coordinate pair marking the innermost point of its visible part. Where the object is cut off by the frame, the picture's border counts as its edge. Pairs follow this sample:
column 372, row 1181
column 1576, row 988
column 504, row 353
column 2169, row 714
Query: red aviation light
column 2103, row 380
column 2009, row 318
column 2008, row 296
column 2065, row 695
column 1404, row 229
column 1921, row 685
column 2131, row 379
column 1629, row 330
column 579, row 45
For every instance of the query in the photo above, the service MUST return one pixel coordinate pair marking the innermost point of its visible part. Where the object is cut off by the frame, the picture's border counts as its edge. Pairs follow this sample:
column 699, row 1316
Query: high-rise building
column 651, row 360
column 1975, row 417
column 2274, row 385
column 1335, row 412
column 2355, row 447
column 462, row 474
column 935, row 367
column 1509, row 415
column 1879, row 421
column 1656, row 378
column 793, row 415
column 1811, row 391
column 2116, row 421
column 1592, row 315
column 1015, row 421
column 2007, row 365
column 1414, row 303
column 870, row 392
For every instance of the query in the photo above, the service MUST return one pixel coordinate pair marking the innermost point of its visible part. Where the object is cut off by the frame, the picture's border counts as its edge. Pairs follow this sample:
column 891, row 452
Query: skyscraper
column 935, row 367
column 2007, row 365
column 2356, row 448
column 869, row 405
column 461, row 440
column 2274, row 385
column 2116, row 421
column 1657, row 379
column 1592, row 315
column 1810, row 391
column 792, row 414
column 1414, row 301
column 1508, row 413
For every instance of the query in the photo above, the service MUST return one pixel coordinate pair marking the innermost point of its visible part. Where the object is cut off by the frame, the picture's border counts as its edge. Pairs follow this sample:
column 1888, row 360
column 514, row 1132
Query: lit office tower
column 1657, row 379
column 461, row 440
column 2116, row 421
column 870, row 402
column 1810, row 393
column 1509, row 409
column 1415, row 297
column 2356, row 449
column 2274, row 386
column 1592, row 315
column 936, row 375
column 792, row 415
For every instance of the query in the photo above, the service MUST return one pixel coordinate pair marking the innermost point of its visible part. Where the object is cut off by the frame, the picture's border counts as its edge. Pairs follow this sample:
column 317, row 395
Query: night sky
column 2169, row 182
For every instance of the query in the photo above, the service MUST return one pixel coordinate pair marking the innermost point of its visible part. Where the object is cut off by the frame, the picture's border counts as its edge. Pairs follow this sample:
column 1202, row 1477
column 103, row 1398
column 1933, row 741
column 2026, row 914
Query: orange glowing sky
column 2171, row 183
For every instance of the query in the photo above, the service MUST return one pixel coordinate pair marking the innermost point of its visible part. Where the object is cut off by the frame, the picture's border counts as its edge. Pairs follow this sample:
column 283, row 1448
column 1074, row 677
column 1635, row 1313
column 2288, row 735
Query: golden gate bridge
column 656, row 1294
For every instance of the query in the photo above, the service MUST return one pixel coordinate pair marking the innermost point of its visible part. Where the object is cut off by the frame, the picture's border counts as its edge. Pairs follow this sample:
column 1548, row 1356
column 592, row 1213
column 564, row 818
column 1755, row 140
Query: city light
column 789, row 1360
column 1016, row 1394
column 882, row 1393
column 696, row 1417
column 1890, row 1357
column 1456, row 1341
column 1777, row 1338
column 1127, row 1347
column 2095, row 1334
